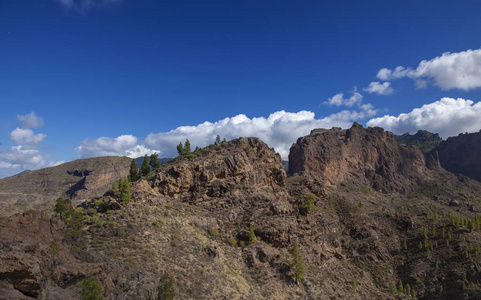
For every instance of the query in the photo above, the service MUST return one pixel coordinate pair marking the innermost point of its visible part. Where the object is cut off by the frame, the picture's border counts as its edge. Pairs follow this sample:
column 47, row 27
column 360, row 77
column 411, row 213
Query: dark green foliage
column 91, row 289
column 134, row 172
column 62, row 206
column 298, row 264
column 400, row 287
column 125, row 191
column 252, row 235
column 166, row 289
column 154, row 161
column 180, row 149
column 217, row 139
column 187, row 147
column 145, row 168
column 308, row 203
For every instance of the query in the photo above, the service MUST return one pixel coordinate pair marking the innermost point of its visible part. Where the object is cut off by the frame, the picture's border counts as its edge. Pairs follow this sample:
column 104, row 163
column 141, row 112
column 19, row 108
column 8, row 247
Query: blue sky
column 82, row 78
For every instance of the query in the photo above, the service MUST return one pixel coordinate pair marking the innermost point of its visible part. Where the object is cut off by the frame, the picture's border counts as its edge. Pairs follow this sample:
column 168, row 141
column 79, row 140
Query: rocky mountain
column 462, row 154
column 370, row 219
column 78, row 179
column 369, row 157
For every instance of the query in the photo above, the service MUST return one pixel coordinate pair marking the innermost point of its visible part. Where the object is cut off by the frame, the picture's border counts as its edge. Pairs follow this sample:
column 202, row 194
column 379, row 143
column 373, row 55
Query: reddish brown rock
column 248, row 163
column 371, row 155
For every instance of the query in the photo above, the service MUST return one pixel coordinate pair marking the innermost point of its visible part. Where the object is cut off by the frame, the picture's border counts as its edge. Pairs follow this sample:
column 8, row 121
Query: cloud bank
column 279, row 130
column 448, row 117
column 124, row 145
column 461, row 70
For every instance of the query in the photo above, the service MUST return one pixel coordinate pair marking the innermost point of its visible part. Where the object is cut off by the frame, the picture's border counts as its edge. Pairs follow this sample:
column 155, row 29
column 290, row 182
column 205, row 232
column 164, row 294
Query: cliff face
column 79, row 179
column 216, row 172
column 369, row 155
column 462, row 154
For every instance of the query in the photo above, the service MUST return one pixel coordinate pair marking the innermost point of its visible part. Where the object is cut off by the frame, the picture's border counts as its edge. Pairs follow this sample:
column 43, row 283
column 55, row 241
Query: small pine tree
column 400, row 287
column 252, row 235
column 115, row 187
column 180, row 149
column 62, row 206
column 154, row 161
column 217, row 139
column 166, row 289
column 125, row 191
column 91, row 289
column 145, row 169
column 298, row 263
column 134, row 171
column 187, row 149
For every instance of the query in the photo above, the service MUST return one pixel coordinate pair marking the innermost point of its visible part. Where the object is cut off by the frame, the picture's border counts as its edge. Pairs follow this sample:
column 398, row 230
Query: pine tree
column 63, row 206
column 187, row 147
column 166, row 289
column 145, row 169
column 180, row 149
column 154, row 161
column 125, row 191
column 298, row 263
column 134, row 171
column 217, row 139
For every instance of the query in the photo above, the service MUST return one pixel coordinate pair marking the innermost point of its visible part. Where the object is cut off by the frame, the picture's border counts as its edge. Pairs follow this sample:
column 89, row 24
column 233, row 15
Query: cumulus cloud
column 448, row 117
column 30, row 120
column 124, row 145
column 339, row 100
column 24, row 158
column 26, row 137
column 83, row 5
column 460, row 70
column 381, row 89
column 279, row 130
column 24, row 154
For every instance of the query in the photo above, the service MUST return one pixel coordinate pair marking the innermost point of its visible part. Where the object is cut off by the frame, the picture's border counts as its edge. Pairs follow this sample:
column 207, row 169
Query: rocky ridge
column 377, row 217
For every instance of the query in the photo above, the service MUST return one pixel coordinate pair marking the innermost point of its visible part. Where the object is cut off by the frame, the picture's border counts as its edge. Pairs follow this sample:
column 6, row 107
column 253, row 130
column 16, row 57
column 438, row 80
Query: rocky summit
column 360, row 216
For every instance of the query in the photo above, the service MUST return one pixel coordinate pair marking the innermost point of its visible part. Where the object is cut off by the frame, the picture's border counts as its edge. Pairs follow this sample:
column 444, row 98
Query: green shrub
column 91, row 289
column 232, row 241
column 214, row 232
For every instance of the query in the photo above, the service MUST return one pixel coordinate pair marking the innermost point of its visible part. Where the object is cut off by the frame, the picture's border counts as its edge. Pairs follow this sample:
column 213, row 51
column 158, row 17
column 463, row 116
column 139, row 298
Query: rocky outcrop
column 29, row 268
column 369, row 155
column 462, row 154
column 218, row 170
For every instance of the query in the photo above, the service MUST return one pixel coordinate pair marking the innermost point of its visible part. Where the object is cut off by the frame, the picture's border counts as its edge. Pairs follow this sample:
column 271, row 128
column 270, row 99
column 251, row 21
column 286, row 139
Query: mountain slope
column 78, row 179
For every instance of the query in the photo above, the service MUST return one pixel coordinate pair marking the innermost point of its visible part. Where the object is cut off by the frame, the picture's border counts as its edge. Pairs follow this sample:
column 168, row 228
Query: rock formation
column 369, row 155
column 462, row 154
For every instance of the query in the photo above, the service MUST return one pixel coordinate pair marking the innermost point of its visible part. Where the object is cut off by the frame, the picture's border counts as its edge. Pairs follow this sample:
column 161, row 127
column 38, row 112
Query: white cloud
column 279, row 130
column 24, row 155
column 460, row 70
column 448, row 117
column 380, row 89
column 339, row 100
column 30, row 120
column 26, row 137
column 124, row 145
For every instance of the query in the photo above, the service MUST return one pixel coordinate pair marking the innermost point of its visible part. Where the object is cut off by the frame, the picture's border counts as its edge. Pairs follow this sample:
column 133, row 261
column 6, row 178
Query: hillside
column 78, row 179
column 366, row 213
